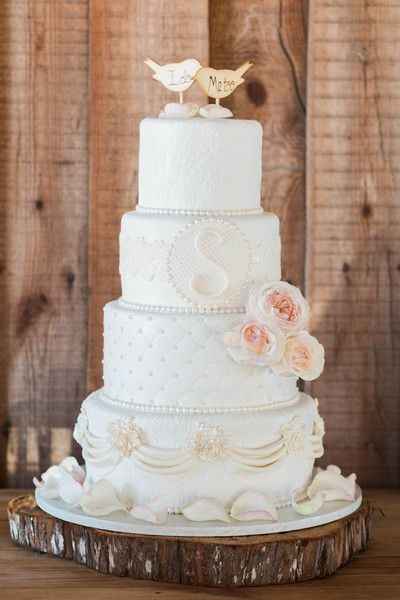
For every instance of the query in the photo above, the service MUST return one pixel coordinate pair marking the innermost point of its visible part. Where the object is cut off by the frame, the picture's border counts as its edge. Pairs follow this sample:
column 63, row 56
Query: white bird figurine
column 219, row 83
column 176, row 77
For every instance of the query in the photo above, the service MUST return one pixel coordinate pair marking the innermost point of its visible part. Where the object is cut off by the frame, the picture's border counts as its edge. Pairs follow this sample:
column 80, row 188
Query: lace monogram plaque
column 209, row 262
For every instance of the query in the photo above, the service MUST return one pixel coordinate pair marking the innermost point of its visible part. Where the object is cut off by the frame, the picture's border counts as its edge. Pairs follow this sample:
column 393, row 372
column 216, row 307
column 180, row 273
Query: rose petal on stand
column 205, row 509
column 101, row 500
column 309, row 507
column 154, row 512
column 253, row 506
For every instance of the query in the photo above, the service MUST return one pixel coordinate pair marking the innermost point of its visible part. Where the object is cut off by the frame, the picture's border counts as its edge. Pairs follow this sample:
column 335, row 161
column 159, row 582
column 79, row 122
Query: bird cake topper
column 176, row 77
column 216, row 83
column 219, row 84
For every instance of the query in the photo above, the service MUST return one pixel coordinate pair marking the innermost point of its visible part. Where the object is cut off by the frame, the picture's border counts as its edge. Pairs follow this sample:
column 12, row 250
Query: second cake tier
column 181, row 360
column 196, row 264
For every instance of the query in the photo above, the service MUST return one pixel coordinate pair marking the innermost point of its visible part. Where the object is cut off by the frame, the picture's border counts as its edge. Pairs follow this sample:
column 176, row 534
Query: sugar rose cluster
column 274, row 333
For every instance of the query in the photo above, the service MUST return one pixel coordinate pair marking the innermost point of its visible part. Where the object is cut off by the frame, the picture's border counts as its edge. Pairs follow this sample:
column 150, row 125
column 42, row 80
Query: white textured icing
column 199, row 213
column 215, row 475
column 178, row 424
column 181, row 360
column 200, row 164
column 199, row 262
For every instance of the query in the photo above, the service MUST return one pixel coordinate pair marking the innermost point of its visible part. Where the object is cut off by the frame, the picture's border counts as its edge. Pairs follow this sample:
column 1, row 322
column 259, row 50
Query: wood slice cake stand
column 220, row 561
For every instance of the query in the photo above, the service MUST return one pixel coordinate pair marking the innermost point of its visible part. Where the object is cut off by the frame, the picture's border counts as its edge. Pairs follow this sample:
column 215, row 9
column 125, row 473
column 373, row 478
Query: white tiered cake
column 200, row 413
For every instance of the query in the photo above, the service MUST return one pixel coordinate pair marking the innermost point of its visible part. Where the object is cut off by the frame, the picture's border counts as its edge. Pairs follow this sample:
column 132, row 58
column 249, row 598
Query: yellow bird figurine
column 219, row 84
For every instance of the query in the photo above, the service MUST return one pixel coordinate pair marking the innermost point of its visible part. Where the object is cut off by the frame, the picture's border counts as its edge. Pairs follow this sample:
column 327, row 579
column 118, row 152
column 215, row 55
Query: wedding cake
column 200, row 414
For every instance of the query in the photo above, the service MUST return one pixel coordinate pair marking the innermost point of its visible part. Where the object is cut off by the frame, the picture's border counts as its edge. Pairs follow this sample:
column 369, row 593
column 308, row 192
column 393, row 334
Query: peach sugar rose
column 280, row 303
column 255, row 343
column 255, row 337
column 303, row 356
column 283, row 306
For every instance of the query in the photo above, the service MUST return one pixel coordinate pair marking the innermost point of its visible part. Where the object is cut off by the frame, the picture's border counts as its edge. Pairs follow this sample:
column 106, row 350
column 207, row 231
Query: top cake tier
column 198, row 165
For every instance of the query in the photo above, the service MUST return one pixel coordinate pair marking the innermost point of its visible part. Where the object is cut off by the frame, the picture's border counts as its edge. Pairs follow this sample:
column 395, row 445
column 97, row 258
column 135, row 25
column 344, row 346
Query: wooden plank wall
column 272, row 34
column 61, row 62
column 123, row 34
column 43, row 229
column 353, row 225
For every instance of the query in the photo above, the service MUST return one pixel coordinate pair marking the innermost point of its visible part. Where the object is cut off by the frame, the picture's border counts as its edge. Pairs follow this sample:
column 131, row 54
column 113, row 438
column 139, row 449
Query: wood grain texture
column 43, row 222
column 273, row 35
column 248, row 561
column 353, row 254
column 374, row 574
column 122, row 35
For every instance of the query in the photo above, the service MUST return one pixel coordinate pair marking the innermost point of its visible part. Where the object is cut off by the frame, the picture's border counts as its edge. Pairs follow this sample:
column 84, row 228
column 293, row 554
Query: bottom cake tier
column 179, row 456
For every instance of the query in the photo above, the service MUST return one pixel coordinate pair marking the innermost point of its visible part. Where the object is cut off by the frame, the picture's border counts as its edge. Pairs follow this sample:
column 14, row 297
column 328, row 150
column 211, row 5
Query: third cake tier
column 181, row 360
column 196, row 264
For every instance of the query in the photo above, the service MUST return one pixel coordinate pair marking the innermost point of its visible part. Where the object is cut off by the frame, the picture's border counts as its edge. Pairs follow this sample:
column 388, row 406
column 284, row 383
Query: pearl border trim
column 199, row 212
column 194, row 410
column 156, row 308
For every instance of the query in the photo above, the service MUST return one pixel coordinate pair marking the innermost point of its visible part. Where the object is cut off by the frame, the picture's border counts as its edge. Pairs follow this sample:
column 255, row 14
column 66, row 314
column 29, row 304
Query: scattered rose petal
column 63, row 481
column 49, row 483
column 333, row 485
column 70, row 491
column 253, row 506
column 71, row 465
column 309, row 507
column 154, row 512
column 101, row 500
column 205, row 509
column 327, row 485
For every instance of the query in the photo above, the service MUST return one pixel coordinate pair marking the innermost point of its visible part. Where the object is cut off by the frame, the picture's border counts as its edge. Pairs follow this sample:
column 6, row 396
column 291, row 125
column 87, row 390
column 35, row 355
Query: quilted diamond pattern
column 181, row 360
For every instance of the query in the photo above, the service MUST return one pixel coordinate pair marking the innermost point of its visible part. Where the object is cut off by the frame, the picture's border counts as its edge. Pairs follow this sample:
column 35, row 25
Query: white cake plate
column 178, row 525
